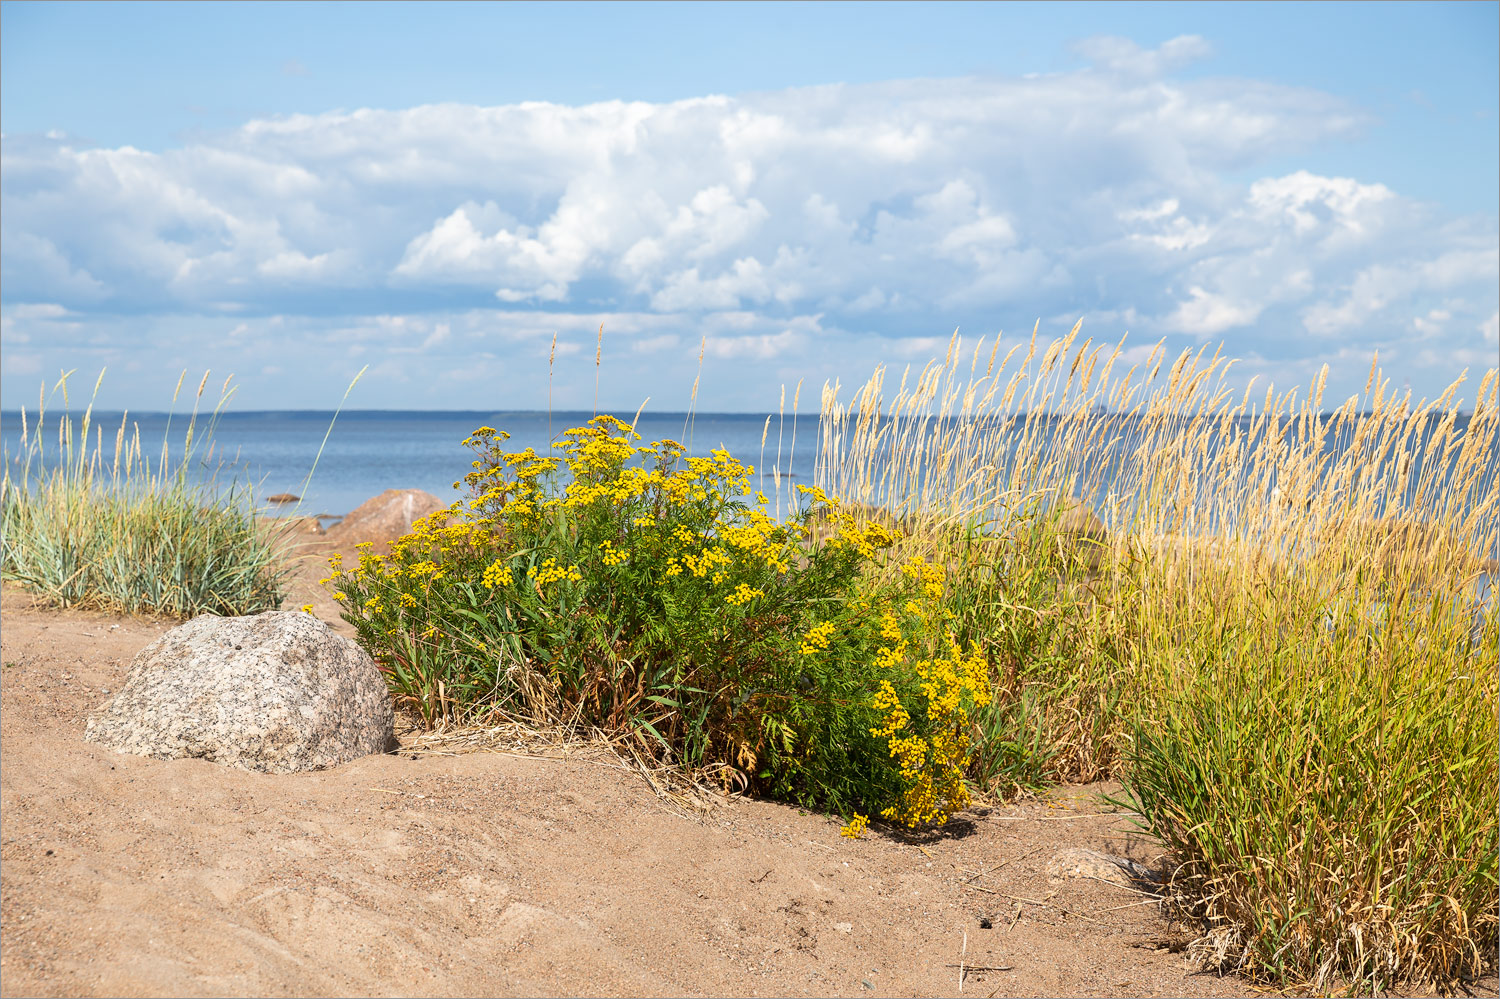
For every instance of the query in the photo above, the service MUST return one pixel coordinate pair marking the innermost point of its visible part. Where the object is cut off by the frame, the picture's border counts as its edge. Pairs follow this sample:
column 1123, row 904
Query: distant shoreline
column 583, row 415
column 567, row 417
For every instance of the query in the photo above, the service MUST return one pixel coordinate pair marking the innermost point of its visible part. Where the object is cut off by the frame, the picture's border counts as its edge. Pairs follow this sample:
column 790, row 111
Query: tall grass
column 1274, row 635
column 130, row 532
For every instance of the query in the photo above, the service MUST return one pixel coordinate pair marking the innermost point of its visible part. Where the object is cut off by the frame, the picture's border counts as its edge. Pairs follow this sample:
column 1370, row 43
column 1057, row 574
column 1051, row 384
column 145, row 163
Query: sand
column 495, row 874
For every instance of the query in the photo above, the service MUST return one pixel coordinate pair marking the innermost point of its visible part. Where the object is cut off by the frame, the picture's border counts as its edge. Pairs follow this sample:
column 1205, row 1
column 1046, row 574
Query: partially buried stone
column 277, row 692
column 1078, row 863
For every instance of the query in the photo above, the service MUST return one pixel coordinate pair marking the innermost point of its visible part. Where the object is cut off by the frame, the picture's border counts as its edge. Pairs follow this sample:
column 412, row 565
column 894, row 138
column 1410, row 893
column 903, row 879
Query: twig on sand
column 969, row 881
column 1132, row 905
column 982, row 967
column 963, row 955
column 1046, row 905
column 1116, row 884
column 516, row 738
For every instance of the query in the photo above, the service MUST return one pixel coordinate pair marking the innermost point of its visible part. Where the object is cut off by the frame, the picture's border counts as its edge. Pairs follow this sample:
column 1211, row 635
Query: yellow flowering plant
column 648, row 592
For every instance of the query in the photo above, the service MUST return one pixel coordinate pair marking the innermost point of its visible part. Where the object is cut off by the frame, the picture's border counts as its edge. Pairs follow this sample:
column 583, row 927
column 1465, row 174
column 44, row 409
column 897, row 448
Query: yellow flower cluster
column 931, row 765
column 816, row 494
column 419, row 552
column 856, row 827
column 816, row 639
column 426, row 567
column 762, row 538
column 497, row 573
column 743, row 594
column 485, row 434
column 894, row 654
column 866, row 540
column 510, row 489
column 551, row 572
column 612, row 555
column 888, row 703
column 933, row 768
column 873, row 536
column 514, row 485
column 710, row 559
column 928, row 575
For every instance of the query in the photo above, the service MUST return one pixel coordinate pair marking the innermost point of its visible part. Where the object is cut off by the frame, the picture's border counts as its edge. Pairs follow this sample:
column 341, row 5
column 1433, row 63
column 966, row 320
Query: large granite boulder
column 277, row 692
column 384, row 518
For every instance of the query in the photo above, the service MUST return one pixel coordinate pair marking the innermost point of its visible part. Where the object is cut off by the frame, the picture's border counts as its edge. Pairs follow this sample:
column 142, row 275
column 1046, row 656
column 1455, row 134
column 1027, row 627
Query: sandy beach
column 504, row 873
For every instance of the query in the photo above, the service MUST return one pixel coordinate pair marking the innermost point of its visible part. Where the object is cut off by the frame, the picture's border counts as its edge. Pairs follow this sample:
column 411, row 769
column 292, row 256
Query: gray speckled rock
column 276, row 692
column 1101, row 867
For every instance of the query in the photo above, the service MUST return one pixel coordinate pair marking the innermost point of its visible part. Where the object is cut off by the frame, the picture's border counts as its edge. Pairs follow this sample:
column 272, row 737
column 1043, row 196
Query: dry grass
column 1273, row 632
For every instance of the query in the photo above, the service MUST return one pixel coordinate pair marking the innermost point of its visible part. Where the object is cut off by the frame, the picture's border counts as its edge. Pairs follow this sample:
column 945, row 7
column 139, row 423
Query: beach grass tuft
column 117, row 529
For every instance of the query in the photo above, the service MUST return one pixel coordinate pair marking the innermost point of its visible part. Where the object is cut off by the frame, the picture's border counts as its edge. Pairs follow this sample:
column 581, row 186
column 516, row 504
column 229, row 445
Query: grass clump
column 1274, row 631
column 641, row 591
column 130, row 535
column 1329, row 790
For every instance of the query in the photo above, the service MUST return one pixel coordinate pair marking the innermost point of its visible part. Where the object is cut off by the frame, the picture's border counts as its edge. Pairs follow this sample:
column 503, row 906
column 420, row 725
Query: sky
column 798, row 192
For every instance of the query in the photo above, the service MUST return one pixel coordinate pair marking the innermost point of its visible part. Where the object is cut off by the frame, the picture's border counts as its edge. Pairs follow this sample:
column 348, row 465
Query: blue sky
column 292, row 191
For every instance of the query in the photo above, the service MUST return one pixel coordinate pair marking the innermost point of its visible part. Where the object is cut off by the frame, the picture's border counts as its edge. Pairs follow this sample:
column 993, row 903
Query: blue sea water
column 369, row 451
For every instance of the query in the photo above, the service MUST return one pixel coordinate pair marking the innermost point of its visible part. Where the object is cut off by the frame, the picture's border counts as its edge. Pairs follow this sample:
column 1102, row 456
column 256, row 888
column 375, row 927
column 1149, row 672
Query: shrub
column 646, row 594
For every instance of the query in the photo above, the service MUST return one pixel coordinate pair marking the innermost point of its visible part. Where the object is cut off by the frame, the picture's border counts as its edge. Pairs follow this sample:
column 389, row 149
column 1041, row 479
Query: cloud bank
column 804, row 233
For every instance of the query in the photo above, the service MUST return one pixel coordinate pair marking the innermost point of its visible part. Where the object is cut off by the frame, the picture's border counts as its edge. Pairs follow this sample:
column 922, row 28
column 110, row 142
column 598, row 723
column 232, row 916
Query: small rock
column 283, row 498
column 844, row 927
column 1076, row 863
column 867, row 984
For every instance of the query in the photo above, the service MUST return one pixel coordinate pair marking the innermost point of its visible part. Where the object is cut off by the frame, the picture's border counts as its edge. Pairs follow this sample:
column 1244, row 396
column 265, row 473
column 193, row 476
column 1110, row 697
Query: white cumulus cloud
column 777, row 224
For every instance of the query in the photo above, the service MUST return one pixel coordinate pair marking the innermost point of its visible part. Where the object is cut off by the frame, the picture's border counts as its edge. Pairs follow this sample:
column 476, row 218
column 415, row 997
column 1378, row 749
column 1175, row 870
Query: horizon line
column 351, row 411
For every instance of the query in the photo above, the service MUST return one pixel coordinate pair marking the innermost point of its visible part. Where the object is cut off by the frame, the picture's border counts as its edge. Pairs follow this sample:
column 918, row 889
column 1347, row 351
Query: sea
column 284, row 452
column 331, row 462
